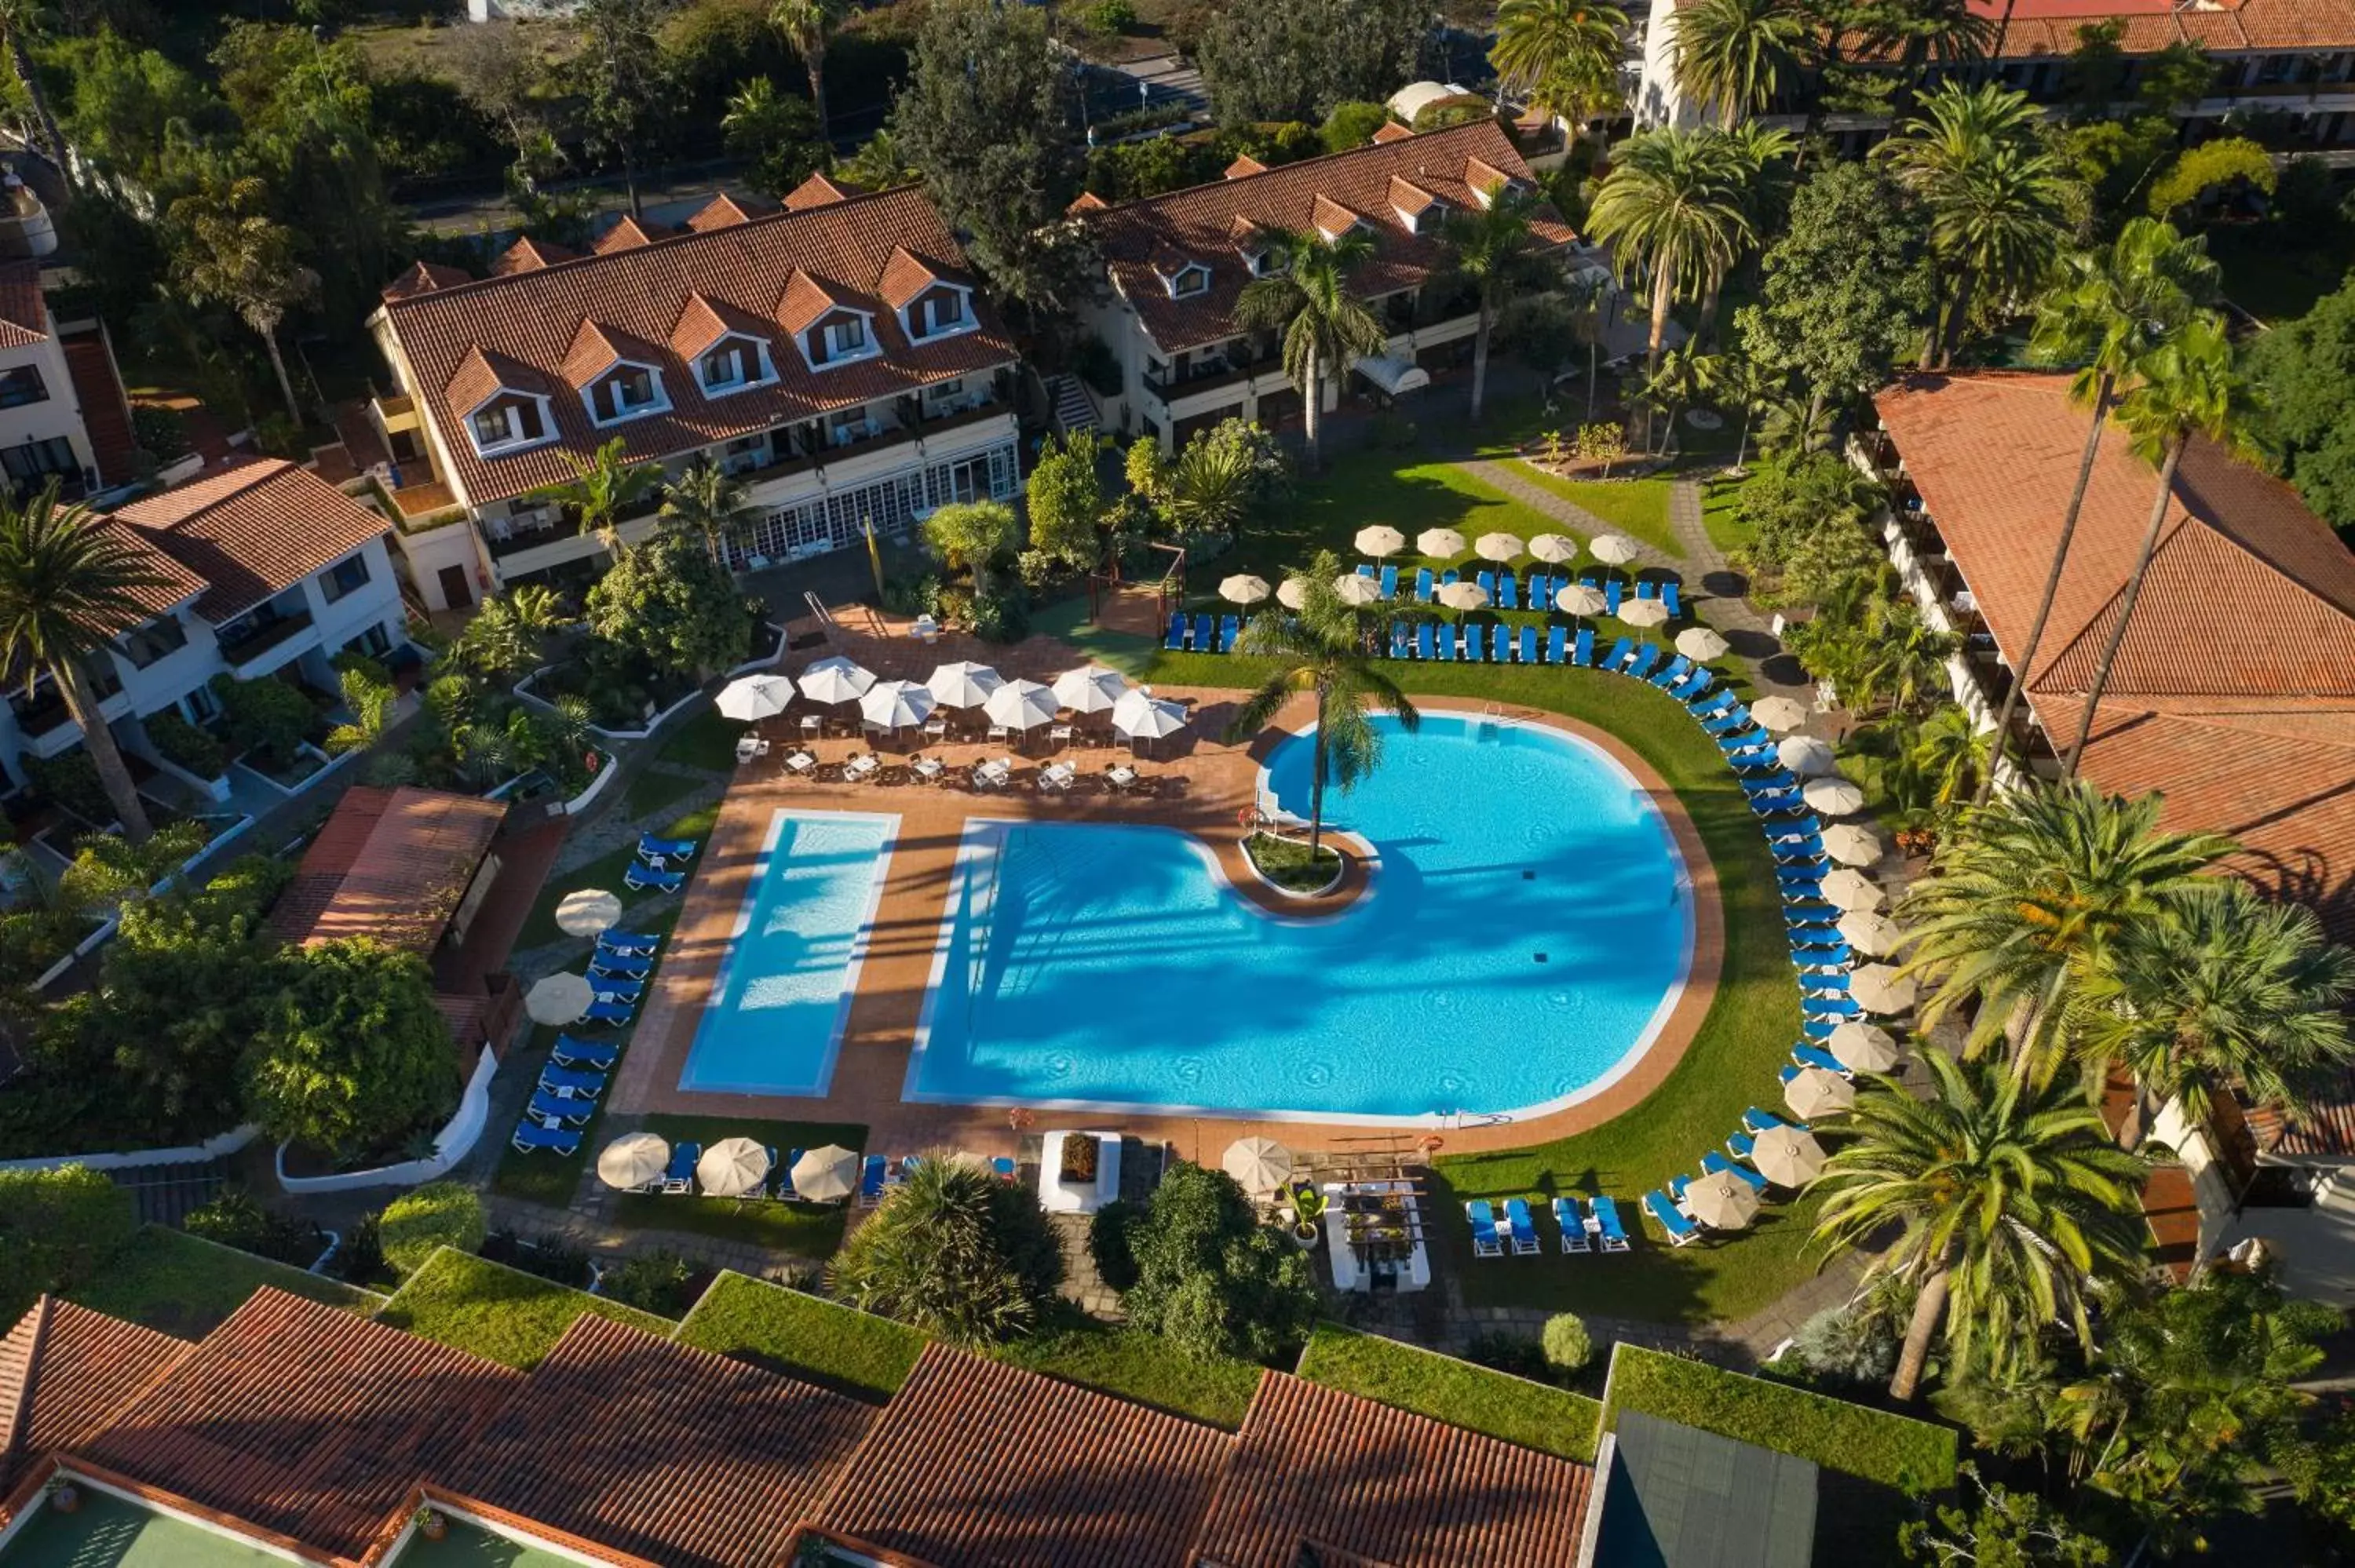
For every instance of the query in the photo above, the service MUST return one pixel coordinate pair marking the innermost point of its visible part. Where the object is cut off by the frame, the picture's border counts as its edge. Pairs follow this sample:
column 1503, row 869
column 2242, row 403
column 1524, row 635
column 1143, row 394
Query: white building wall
column 1658, row 99
column 57, row 415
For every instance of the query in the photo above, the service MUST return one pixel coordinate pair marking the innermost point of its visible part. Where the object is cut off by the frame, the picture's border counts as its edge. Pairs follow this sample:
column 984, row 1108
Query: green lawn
column 843, row 1348
column 1067, row 619
column 1719, row 499
column 1408, row 491
column 499, row 1313
column 185, row 1284
column 539, row 927
column 805, row 1230
column 1532, row 1414
column 1731, row 1063
column 706, row 741
column 1139, row 1366
column 651, row 792
column 1636, row 507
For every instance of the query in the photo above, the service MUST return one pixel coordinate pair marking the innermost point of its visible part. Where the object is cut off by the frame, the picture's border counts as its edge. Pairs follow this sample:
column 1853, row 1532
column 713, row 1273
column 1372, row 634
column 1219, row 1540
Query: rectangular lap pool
column 777, row 1010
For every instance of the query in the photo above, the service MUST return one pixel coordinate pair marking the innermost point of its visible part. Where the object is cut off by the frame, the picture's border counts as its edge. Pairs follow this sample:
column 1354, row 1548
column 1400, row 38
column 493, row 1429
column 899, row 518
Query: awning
column 1394, row 375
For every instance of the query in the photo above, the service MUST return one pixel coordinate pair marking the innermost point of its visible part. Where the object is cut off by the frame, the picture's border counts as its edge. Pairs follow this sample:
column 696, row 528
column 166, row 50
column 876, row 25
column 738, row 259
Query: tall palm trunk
column 2052, row 589
column 285, row 382
column 814, row 59
column 121, row 793
column 1316, row 782
column 1663, row 282
column 2126, row 605
column 1480, row 355
column 1928, row 1307
column 21, row 60
column 1957, row 318
column 1312, row 412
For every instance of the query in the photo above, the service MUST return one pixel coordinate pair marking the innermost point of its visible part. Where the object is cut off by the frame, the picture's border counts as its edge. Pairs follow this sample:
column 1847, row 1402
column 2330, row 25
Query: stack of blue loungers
column 571, row 1084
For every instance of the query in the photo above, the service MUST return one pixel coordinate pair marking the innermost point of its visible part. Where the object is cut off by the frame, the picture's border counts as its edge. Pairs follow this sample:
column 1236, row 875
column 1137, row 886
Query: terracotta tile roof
column 628, row 235
column 529, row 255
column 1390, row 131
column 2322, row 1128
column 252, row 530
column 1315, row 1466
column 481, row 372
column 24, row 315
column 1242, row 167
column 1086, row 201
column 691, row 1459
column 1331, row 191
column 64, row 1371
column 423, row 277
column 706, row 321
column 723, row 210
column 596, row 347
column 819, row 190
column 2049, row 28
column 174, row 583
column 304, row 1420
column 907, row 275
column 105, row 412
column 389, row 864
column 975, row 1464
column 532, row 320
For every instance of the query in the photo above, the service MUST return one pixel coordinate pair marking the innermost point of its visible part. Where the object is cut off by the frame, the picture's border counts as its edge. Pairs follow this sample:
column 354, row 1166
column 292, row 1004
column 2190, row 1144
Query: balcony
column 245, row 640
column 1209, row 373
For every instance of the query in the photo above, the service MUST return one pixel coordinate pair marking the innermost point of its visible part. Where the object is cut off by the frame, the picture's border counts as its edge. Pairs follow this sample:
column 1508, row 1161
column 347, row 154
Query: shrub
column 267, row 717
column 441, row 1213
column 660, row 1282
column 1506, row 1352
column 1109, row 17
column 954, row 1252
column 918, row 594
column 1841, row 1347
column 1352, row 125
column 160, row 432
column 1459, row 109
column 1211, row 1279
column 1567, row 1345
column 57, row 1230
column 69, row 781
column 550, row 1257
column 360, row 1258
column 1111, row 1238
column 183, row 745
column 236, row 1218
column 353, row 1057
column 1003, row 616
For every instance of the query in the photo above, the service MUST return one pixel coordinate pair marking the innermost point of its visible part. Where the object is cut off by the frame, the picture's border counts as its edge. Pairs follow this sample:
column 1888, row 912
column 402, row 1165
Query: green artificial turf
column 185, row 1284
column 1066, row 620
column 706, row 741
column 539, row 927
column 1533, row 1415
column 839, row 1347
column 805, row 1230
column 499, row 1313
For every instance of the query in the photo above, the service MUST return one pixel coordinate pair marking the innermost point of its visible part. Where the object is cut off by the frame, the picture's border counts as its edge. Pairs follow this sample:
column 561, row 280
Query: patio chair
column 1618, row 654
column 1206, row 635
column 1583, row 652
column 1175, row 639
column 1669, row 597
column 1693, row 682
column 599, row 1056
column 1500, row 644
column 678, row 1176
column 1817, row 1056
column 629, row 944
column 1389, row 580
column 1647, row 655
column 1613, row 594
column 1484, row 1229
column 1473, row 637
column 550, row 1107
column 529, row 1138
column 1741, row 1145
column 1757, row 1122
column 1508, row 591
column 1528, row 652
column 1728, row 719
column 1680, row 1229
column 783, row 1187
column 1557, row 644
column 1366, row 570
column 619, row 969
column 1607, row 1224
column 1400, row 639
column 871, row 1181
column 655, row 849
column 1230, row 627
column 1423, row 585
column 615, row 1013
column 1541, row 590
column 644, row 878
column 1524, row 1229
column 1573, row 1228
column 573, row 1082
column 1713, row 1164
column 1443, row 640
column 1487, row 581
column 630, row 992
column 1670, row 673
column 1423, row 641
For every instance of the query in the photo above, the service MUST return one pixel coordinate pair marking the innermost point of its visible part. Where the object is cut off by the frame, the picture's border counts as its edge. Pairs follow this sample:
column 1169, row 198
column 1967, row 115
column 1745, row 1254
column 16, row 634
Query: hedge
column 1532, row 1414
column 1891, row 1450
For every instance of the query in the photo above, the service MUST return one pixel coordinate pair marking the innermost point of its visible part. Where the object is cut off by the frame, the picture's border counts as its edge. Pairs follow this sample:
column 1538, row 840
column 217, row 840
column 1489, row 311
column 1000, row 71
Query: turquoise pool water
column 777, row 1008
column 1530, row 927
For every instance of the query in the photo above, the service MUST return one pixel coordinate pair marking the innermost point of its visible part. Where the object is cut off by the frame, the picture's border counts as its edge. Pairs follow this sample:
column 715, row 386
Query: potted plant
column 64, row 1495
column 1307, row 1208
column 1079, row 1162
column 430, row 1522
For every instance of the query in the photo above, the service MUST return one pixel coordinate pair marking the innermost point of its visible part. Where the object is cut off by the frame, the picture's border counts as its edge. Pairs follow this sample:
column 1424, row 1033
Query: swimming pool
column 1526, row 935
column 775, row 1017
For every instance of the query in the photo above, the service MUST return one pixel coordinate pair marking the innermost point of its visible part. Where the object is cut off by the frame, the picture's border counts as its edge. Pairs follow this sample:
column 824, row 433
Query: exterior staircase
column 1074, row 411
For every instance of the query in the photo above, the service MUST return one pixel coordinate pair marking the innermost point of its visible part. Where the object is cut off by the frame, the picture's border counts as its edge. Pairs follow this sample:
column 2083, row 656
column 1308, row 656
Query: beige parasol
column 1701, row 643
column 1615, row 549
column 1461, row 596
column 1380, row 540
column 587, row 912
column 558, row 998
column 731, row 1168
column 1498, row 546
column 1260, row 1164
column 1440, row 544
column 1554, row 548
column 826, row 1174
column 1804, row 756
column 1291, row 592
column 631, row 1161
column 1852, row 846
column 1813, row 1092
column 1352, row 590
column 1580, row 600
column 1243, row 588
column 1882, row 988
column 1721, row 1201
column 1786, row 1157
column 1833, row 795
column 1875, row 936
column 1863, row 1047
column 1643, row 611
column 1853, row 890
column 1780, row 715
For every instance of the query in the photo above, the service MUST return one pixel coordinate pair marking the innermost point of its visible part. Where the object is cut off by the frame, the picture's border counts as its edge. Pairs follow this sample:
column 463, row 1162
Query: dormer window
column 1190, row 280
column 1430, row 221
column 942, row 310
column 626, row 392
column 737, row 363
column 1264, row 260
column 846, row 337
column 507, row 423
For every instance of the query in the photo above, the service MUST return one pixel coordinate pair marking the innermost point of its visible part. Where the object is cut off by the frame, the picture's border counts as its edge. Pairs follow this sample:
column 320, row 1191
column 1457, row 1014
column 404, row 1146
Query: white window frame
column 868, row 349
column 750, row 349
column 514, row 443
column 916, row 316
column 1177, row 281
column 659, row 405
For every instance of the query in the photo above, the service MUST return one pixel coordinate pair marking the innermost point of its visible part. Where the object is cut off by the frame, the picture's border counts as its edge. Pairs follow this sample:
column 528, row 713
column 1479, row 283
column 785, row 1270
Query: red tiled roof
column 907, row 275
column 2323, row 1126
column 673, row 1454
column 252, row 530
column 723, row 210
column 628, row 235
column 1390, row 131
column 706, row 321
column 389, row 864
column 481, row 372
column 532, row 320
column 819, row 190
column 529, row 255
column 1242, row 167
column 424, row 278
column 105, row 412
column 304, row 1420
column 2049, row 28
column 24, row 315
column 975, row 1464
column 1330, row 191
column 595, row 348
column 64, row 1370
column 1316, row 1467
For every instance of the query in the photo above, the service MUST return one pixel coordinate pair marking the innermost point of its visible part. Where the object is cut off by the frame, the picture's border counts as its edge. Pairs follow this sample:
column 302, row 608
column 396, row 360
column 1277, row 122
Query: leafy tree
column 1918, row 34
column 1351, row 124
column 1736, row 54
column 437, row 1214
column 2114, row 159
column 1561, row 54
column 2012, row 1204
column 20, row 24
column 2227, row 166
column 1806, row 515
column 109, row 872
column 807, row 25
column 1845, row 1347
column 2001, row 1529
column 126, row 107
column 372, row 703
column 621, row 72
column 1067, row 507
column 1494, row 251
column 1300, row 59
column 353, row 1057
column 879, row 164
column 498, row 68
column 1222, row 483
column 266, row 718
column 705, row 503
column 1567, row 1344
column 673, row 605
column 2305, row 372
column 232, row 252
column 777, row 133
column 57, row 1229
column 67, row 587
column 1322, row 648
column 972, row 536
column 1324, row 326
column 955, row 1252
column 606, row 486
column 1211, row 1279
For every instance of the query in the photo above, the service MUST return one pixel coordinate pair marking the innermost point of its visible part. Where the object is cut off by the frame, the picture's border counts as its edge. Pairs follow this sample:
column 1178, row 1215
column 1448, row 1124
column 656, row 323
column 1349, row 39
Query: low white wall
column 213, row 1148
column 451, row 1145
column 524, row 693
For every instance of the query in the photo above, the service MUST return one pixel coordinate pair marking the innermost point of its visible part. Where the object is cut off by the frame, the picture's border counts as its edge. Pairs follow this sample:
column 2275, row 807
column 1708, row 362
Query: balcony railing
column 1208, row 375
column 243, row 645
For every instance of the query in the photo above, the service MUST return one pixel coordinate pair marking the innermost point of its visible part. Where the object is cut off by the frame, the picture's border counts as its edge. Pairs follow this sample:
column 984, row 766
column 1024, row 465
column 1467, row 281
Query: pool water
column 1527, row 932
column 775, row 1017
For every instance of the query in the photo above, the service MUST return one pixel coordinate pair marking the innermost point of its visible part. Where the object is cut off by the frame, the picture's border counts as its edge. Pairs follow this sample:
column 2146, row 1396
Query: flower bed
column 1286, row 864
column 1078, row 1165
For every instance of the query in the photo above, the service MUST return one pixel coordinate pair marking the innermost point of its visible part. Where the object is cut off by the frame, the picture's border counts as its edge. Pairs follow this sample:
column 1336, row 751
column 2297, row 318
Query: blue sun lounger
column 1230, row 627
column 1443, row 640
column 1573, row 1229
column 529, row 1138
column 1389, row 581
column 1669, row 597
column 1646, row 588
column 1473, row 637
column 1524, row 1229
column 1541, row 590
column 1174, row 639
column 871, row 1171
column 1715, row 704
column 678, row 1176
column 1423, row 641
column 640, row 877
column 1557, row 644
column 1817, row 1056
column 1680, row 1229
column 603, row 968
column 1613, row 591
column 1606, row 1220
column 628, row 943
column 631, row 992
column 615, row 1013
column 1647, row 655
column 1839, row 1007
column 598, row 1054
column 1508, row 592
column 1742, row 1146
column 1728, row 720
column 660, row 850
column 556, row 1107
column 1401, row 641
column 1670, row 673
column 1583, row 652
column 573, row 1082
column 1423, row 585
column 1528, row 645
column 1487, row 581
column 1618, row 654
column 1500, row 644
column 784, row 1185
column 1713, row 1162
column 1693, row 682
column 1756, row 1120
column 1366, row 569
column 1484, row 1229
column 1206, row 634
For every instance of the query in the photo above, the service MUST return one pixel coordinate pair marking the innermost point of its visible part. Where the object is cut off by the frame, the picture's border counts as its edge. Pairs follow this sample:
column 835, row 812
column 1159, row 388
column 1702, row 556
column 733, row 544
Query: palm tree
column 1674, row 206
column 1996, row 194
column 234, row 254
column 954, row 1251
column 705, row 501
column 1324, row 325
column 807, row 25
column 2024, row 906
column 1942, row 756
column 371, row 702
column 1492, row 248
column 1919, row 32
column 1736, row 382
column 2012, row 1201
column 2109, row 308
column 2234, row 990
column 21, row 22
column 1682, row 379
column 1905, row 659
column 1323, row 648
column 1561, row 54
column 605, row 486
column 67, row 585
column 2188, row 387
column 1736, row 53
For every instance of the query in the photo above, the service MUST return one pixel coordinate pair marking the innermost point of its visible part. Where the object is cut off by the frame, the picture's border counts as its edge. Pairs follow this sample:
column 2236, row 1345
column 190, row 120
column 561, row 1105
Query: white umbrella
column 1721, row 1201
column 825, row 1174
column 1882, row 989
column 1351, row 588
column 1853, row 890
column 1291, row 592
column 1554, row 548
column 559, row 999
column 1090, row 689
column 1020, row 704
column 1440, row 544
column 1580, row 600
column 1786, row 1157
column 631, row 1161
column 1617, row 548
column 1875, row 936
column 834, row 680
column 1498, row 546
column 1699, row 644
column 891, row 705
column 1380, row 540
column 1863, row 1047
column 1813, row 1092
column 1143, row 717
column 1780, row 715
column 587, row 912
column 964, row 684
column 1852, row 846
column 731, row 1168
column 1833, row 795
column 1242, row 589
column 1260, row 1164
column 1461, row 596
column 1804, row 756
column 1643, row 611
column 750, row 697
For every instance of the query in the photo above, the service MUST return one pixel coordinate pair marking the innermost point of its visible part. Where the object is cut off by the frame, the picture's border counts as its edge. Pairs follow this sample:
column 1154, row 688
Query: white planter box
column 1056, row 1196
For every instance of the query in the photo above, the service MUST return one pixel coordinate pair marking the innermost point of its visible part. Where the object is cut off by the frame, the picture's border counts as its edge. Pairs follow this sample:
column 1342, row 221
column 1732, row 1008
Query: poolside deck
column 1200, row 785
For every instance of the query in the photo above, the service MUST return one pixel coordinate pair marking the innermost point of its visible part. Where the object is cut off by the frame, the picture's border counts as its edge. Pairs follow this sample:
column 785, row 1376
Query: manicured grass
column 1718, row 503
column 651, row 791
column 1407, row 492
column 1473, row 1397
column 846, row 1350
column 1890, row 1450
column 499, row 1313
column 1729, row 1063
column 706, row 740
column 805, row 1230
column 1636, row 507
column 1285, row 863
column 185, row 1284
column 1139, row 1366
column 539, row 927
column 1067, row 620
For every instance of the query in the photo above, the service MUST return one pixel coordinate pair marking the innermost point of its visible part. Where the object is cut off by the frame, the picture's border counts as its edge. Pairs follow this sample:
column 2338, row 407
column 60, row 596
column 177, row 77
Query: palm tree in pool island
column 1324, row 325
column 65, row 586
column 1321, row 648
